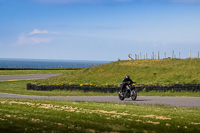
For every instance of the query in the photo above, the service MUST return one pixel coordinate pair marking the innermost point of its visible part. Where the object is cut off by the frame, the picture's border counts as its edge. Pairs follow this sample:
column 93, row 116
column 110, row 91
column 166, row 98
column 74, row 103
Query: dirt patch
column 1, row 119
column 151, row 122
column 162, row 118
column 91, row 131
column 36, row 120
column 193, row 123
column 149, row 116
column 157, row 117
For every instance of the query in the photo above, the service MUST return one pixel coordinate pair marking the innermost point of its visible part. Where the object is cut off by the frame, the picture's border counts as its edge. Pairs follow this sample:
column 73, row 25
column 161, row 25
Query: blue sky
column 98, row 29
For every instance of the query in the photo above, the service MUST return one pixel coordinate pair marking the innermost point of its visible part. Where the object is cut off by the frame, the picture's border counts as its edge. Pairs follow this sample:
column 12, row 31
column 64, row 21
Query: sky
column 104, row 30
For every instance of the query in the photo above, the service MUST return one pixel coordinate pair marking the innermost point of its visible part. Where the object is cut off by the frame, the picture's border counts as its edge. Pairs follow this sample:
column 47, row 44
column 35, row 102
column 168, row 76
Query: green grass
column 19, row 87
column 164, row 72
column 62, row 116
column 148, row 72
column 23, row 72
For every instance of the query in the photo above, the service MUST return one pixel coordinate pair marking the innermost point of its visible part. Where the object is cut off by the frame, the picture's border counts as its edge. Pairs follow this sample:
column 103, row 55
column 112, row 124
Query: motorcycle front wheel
column 133, row 95
column 121, row 96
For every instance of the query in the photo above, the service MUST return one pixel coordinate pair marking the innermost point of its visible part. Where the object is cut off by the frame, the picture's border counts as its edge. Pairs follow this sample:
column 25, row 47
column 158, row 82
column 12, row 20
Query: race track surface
column 25, row 77
column 152, row 100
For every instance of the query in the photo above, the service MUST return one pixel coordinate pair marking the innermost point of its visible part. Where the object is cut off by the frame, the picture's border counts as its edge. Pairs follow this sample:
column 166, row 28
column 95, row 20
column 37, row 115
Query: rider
column 124, row 82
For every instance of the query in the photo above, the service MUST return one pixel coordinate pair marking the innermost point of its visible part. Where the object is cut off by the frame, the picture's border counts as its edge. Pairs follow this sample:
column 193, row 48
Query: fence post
column 146, row 56
column 153, row 56
column 198, row 54
column 173, row 54
column 179, row 55
column 158, row 55
column 190, row 54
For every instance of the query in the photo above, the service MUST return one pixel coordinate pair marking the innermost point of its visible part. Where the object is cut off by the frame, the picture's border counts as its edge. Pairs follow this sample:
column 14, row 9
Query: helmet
column 127, row 77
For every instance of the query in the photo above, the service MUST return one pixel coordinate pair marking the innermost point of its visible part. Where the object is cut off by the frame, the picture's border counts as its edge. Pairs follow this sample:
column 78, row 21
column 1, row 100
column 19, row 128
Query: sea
column 46, row 63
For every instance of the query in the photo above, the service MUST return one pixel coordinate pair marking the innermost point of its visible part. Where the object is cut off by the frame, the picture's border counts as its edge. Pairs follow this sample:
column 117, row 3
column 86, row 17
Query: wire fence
column 157, row 56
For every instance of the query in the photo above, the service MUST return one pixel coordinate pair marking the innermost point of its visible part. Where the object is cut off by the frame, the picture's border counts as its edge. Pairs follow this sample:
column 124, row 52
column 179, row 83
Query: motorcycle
column 128, row 92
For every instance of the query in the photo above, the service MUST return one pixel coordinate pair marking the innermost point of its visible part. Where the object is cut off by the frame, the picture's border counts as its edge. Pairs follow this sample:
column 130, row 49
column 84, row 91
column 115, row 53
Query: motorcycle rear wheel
column 121, row 96
column 133, row 95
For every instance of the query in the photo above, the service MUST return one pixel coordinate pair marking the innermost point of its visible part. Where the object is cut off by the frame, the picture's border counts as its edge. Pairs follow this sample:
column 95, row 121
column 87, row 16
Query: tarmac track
column 188, row 102
column 153, row 100
column 25, row 77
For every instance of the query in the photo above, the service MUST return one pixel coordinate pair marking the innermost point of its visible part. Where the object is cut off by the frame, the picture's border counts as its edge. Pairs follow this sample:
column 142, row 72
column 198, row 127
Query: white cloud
column 36, row 40
column 35, row 37
column 36, row 31
column 24, row 39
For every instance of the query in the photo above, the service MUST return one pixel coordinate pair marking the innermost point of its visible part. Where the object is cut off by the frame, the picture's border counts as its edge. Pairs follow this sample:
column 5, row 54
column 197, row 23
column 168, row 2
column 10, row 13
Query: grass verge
column 19, row 87
column 23, row 72
column 61, row 116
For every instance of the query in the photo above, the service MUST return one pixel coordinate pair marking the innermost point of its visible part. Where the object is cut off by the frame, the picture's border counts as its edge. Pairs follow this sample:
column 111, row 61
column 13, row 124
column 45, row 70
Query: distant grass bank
column 148, row 72
column 62, row 116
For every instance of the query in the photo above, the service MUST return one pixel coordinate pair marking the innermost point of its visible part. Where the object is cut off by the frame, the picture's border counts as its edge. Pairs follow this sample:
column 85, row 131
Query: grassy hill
column 162, row 72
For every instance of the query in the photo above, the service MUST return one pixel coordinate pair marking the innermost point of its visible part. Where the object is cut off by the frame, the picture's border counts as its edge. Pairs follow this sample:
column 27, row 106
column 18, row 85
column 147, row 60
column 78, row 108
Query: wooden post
column 190, row 54
column 153, row 56
column 158, row 55
column 179, row 55
column 146, row 56
column 198, row 54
